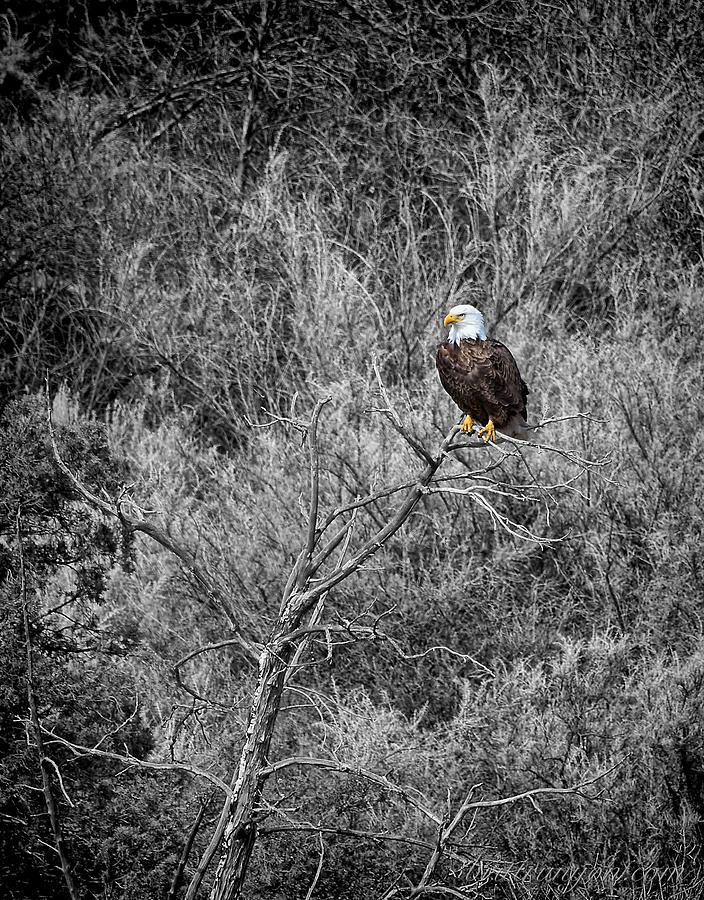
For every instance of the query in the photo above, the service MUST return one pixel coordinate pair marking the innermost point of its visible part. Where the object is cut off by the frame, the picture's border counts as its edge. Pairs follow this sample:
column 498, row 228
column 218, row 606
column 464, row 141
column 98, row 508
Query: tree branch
column 188, row 846
column 184, row 659
column 377, row 541
column 314, row 490
column 155, row 533
column 316, row 877
column 79, row 750
column 354, row 832
column 357, row 772
column 393, row 417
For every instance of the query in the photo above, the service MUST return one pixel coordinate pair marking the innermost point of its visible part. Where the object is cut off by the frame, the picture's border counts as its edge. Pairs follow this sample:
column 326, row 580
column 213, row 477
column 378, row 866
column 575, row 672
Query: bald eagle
column 482, row 377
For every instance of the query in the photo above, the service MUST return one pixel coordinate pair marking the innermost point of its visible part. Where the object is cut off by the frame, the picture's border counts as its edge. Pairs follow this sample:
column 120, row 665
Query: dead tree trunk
column 236, row 832
column 240, row 831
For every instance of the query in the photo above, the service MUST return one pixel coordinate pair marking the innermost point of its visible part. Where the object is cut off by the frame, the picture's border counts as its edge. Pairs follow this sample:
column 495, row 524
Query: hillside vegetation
column 214, row 217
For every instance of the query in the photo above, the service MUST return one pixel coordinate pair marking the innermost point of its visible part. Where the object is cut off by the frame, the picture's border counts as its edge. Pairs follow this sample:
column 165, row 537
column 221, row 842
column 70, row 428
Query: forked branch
column 132, row 524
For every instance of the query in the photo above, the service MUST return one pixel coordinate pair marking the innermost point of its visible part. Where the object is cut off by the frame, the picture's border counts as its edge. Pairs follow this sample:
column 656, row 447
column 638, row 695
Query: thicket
column 214, row 216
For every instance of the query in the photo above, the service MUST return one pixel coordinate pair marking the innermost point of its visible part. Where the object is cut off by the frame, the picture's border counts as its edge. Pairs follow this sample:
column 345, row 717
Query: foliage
column 81, row 654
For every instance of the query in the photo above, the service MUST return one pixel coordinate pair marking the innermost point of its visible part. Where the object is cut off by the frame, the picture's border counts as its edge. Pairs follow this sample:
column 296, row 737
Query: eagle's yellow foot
column 488, row 432
column 467, row 425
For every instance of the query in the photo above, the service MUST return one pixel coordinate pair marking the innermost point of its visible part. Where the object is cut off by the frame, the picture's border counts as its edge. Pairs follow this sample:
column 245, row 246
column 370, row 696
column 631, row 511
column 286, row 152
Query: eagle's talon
column 488, row 432
column 467, row 425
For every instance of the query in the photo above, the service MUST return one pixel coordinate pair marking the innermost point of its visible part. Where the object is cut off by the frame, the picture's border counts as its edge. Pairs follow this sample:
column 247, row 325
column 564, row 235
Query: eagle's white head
column 465, row 322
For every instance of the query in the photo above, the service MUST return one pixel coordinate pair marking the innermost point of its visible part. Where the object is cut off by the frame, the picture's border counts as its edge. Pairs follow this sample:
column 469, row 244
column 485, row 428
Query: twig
column 465, row 657
column 187, row 847
column 80, row 750
column 395, row 419
column 314, row 488
column 60, row 779
column 445, row 832
column 356, row 832
column 189, row 656
column 343, row 534
column 300, row 573
column 316, row 877
column 311, row 628
column 360, row 502
column 528, row 795
column 181, row 91
column 357, row 772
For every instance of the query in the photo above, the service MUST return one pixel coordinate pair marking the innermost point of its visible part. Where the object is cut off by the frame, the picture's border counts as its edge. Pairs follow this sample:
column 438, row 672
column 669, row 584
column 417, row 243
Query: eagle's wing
column 483, row 379
column 502, row 379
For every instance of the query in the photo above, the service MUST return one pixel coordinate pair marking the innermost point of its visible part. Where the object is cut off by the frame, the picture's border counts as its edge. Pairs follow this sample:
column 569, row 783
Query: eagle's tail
column 516, row 427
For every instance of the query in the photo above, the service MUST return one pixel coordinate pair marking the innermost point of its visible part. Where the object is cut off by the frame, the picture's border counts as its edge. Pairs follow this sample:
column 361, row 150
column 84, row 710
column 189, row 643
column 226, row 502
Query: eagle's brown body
column 483, row 379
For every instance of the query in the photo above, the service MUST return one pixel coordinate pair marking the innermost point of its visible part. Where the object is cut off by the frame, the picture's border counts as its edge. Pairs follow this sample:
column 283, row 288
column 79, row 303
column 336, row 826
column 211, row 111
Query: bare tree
column 336, row 545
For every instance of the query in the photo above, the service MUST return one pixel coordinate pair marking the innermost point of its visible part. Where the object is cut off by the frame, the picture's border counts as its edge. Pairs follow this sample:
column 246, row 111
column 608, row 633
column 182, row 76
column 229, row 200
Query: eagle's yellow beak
column 452, row 319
